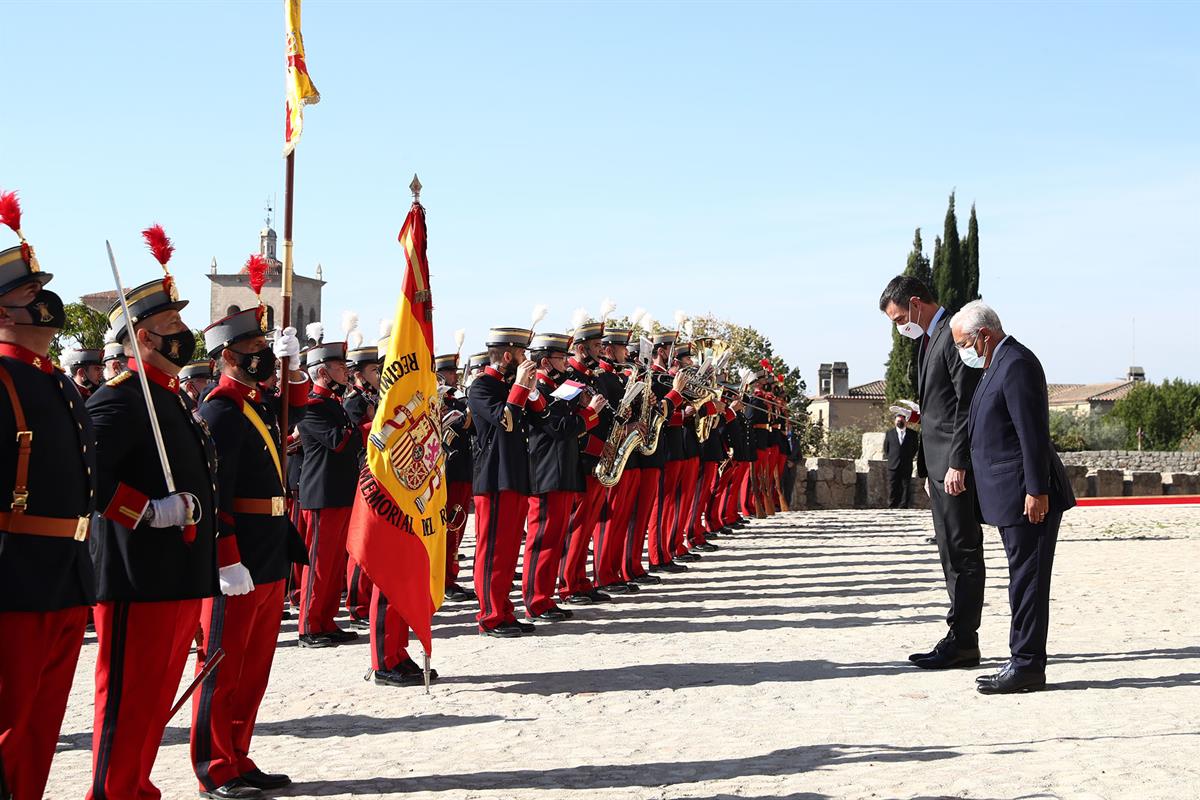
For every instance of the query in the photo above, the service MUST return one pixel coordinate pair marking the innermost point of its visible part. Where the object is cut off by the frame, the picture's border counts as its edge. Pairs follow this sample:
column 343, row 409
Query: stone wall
column 1134, row 460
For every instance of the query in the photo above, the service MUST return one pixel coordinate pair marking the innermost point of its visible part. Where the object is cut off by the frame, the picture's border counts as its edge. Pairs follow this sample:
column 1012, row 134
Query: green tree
column 199, row 353
column 971, row 258
column 939, row 254
column 901, row 372
column 1165, row 413
column 84, row 329
column 948, row 274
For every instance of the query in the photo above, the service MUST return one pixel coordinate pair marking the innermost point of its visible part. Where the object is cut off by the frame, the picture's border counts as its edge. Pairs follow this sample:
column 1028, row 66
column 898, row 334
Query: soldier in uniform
column 114, row 360
column 251, row 518
column 499, row 400
column 331, row 444
column 84, row 367
column 667, row 502
column 613, row 526
column 684, row 502
column 47, row 490
column 155, row 552
column 360, row 403
column 574, row 585
column 458, row 470
column 196, row 381
column 555, row 479
column 704, row 522
column 760, row 424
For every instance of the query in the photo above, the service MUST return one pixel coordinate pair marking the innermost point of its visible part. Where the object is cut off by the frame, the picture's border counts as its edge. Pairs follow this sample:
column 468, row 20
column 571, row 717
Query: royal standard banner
column 398, row 524
column 300, row 89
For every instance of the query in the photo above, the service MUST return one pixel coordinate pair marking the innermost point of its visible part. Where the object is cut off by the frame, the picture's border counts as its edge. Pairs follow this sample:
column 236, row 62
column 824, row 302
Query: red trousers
column 293, row 589
column 645, row 502
column 389, row 633
column 615, row 528
column 358, row 590
column 225, row 706
column 681, row 521
column 37, row 665
column 321, row 580
column 499, row 521
column 585, row 516
column 706, row 487
column 665, row 503
column 545, row 534
column 458, row 505
column 143, row 650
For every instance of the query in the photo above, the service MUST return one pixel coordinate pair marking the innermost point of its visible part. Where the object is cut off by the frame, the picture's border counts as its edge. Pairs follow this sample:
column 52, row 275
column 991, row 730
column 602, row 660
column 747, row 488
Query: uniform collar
column 321, row 391
column 252, row 393
column 170, row 382
column 27, row 356
column 607, row 367
column 578, row 366
column 655, row 367
column 494, row 373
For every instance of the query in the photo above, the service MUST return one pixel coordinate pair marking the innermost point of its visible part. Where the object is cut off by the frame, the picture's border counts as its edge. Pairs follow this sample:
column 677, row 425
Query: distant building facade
column 1090, row 399
column 230, row 291
column 838, row 405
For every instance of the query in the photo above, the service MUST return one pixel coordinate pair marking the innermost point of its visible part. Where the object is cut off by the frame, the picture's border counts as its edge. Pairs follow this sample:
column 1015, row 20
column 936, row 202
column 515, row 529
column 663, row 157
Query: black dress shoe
column 401, row 676
column 360, row 623
column 505, row 630
column 707, row 548
column 599, row 596
column 580, row 599
column 525, row 627
column 956, row 658
column 236, row 788
column 317, row 640
column 672, row 567
column 1012, row 681
column 947, row 642
column 713, row 534
column 459, row 594
column 646, row 579
column 621, row 588
column 553, row 614
column 265, row 780
column 338, row 635
column 688, row 557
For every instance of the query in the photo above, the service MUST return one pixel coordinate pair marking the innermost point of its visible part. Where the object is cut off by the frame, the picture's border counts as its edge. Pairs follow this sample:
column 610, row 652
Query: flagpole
column 289, row 197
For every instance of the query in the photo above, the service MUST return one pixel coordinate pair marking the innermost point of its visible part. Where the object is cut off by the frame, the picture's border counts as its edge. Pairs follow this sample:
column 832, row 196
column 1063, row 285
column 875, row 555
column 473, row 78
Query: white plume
column 679, row 318
column 636, row 317
column 354, row 339
column 606, row 309
column 460, row 336
column 315, row 331
column 578, row 317
column 110, row 335
column 647, row 322
column 745, row 375
column 385, row 328
column 349, row 323
column 539, row 313
column 689, row 328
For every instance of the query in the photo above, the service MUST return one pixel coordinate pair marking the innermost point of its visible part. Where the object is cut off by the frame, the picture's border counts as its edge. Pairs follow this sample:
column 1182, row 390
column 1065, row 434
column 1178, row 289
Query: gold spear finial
column 416, row 188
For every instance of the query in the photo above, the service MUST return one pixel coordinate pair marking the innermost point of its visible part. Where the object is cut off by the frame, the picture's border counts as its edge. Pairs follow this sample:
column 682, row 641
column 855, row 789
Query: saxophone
column 621, row 440
column 650, row 423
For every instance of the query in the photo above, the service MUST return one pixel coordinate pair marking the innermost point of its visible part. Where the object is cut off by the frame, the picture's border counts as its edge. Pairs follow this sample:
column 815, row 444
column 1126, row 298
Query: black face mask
column 46, row 311
column 555, row 375
column 259, row 365
column 338, row 389
column 176, row 347
column 510, row 369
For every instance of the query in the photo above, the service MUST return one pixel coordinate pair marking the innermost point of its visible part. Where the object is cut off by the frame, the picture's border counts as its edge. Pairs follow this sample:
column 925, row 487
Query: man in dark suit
column 944, row 387
column 1023, row 488
column 899, row 448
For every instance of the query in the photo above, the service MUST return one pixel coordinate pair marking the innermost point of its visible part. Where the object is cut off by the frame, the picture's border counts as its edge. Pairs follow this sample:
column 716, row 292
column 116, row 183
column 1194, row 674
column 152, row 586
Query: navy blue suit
column 1012, row 456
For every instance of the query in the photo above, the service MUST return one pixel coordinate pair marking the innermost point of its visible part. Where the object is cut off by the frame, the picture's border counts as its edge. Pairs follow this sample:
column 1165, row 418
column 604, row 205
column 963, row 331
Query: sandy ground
column 775, row 668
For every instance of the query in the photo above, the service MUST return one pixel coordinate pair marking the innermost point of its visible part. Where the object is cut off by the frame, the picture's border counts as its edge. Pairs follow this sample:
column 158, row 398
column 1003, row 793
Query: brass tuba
column 622, row 440
column 652, row 419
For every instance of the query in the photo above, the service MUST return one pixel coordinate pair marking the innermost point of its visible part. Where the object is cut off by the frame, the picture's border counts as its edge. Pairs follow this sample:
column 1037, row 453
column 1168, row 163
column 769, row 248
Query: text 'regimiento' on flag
column 398, row 523
column 300, row 89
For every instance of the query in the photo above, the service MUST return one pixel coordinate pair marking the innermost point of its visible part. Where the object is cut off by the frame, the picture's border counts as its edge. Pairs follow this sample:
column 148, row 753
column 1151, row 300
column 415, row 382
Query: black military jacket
column 249, row 470
column 499, row 411
column 554, row 434
column 739, row 436
column 458, row 446
column 714, row 449
column 357, row 409
column 331, row 444
column 133, row 560
column 44, row 573
column 669, row 402
column 760, row 421
column 592, row 445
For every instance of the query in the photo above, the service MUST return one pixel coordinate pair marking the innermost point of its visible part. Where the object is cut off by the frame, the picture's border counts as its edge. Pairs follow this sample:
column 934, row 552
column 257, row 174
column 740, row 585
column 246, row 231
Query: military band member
column 555, row 479
column 360, row 402
column 254, row 543
column 689, row 474
column 704, row 522
column 499, row 400
column 574, row 585
column 760, row 424
column 667, row 502
column 47, row 490
column 84, row 367
column 196, row 381
column 155, row 552
column 114, row 360
column 458, row 432
column 332, row 444
column 614, row 523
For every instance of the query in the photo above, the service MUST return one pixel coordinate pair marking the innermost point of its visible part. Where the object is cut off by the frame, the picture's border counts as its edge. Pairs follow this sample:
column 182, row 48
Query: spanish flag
column 398, row 523
column 300, row 89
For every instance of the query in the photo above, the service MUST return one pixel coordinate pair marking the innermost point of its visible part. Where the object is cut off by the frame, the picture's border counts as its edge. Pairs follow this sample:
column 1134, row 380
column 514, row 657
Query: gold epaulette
column 117, row 381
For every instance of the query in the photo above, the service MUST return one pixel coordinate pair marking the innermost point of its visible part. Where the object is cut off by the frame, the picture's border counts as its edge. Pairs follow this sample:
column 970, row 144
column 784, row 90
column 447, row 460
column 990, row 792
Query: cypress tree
column 971, row 258
column 938, row 267
column 951, row 280
column 901, row 374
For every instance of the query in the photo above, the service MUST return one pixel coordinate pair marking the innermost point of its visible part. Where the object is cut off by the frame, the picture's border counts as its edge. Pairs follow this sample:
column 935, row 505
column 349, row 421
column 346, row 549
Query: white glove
column 172, row 511
column 235, row 580
column 287, row 345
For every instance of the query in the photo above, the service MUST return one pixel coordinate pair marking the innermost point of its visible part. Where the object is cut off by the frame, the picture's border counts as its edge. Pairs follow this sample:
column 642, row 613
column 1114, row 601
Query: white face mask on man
column 971, row 358
column 911, row 329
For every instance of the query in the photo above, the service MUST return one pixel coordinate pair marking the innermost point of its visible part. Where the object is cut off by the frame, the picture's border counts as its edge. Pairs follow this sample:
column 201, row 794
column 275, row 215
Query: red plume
column 766, row 364
column 779, row 378
column 256, row 268
column 10, row 211
column 159, row 244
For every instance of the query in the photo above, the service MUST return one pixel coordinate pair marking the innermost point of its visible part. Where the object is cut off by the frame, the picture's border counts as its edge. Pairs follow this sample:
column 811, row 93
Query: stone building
column 231, row 290
column 837, row 404
column 1093, row 399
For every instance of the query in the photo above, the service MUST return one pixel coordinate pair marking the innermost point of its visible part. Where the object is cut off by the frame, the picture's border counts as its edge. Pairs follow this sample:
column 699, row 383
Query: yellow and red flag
column 300, row 89
column 398, row 523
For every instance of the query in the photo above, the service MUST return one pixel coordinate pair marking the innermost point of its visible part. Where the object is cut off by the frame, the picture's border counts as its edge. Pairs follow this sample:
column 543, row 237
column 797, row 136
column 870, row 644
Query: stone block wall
column 1135, row 460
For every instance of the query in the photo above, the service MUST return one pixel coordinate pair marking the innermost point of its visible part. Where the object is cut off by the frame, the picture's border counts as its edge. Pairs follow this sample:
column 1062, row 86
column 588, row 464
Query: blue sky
column 766, row 162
